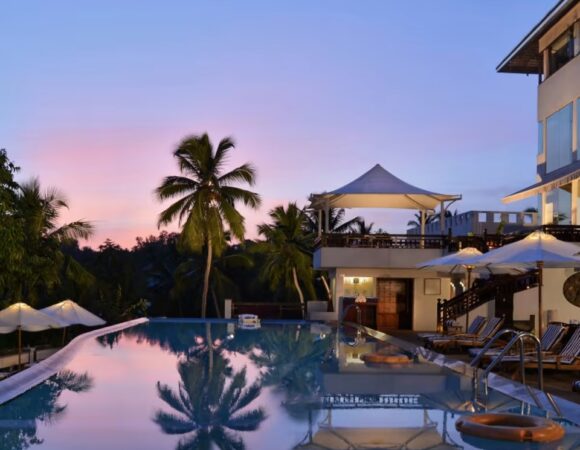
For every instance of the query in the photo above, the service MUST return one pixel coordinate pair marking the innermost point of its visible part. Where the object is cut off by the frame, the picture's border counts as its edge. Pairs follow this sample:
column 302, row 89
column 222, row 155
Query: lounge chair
column 553, row 335
column 470, row 340
column 475, row 326
column 567, row 359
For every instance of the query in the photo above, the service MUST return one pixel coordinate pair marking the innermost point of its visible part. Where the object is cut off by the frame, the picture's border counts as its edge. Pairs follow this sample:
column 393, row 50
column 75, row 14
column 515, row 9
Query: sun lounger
column 466, row 340
column 475, row 326
column 567, row 359
column 552, row 336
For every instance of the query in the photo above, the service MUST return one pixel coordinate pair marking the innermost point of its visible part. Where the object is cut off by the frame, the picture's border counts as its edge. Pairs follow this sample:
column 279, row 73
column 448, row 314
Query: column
column 546, row 63
column 574, row 207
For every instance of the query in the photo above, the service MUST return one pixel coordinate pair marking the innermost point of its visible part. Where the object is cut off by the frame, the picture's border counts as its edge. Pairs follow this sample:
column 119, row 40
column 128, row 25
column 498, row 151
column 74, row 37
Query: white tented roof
column 378, row 188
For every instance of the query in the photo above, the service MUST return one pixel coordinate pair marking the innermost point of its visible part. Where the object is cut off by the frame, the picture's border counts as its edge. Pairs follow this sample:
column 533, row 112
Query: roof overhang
column 554, row 180
column 526, row 57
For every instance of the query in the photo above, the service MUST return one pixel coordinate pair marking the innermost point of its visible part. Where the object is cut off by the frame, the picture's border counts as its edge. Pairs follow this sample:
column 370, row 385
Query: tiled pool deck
column 570, row 410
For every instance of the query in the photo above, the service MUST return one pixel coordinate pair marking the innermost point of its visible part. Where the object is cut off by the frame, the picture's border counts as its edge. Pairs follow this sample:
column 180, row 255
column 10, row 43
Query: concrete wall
column 559, row 89
column 424, row 306
column 526, row 302
column 330, row 257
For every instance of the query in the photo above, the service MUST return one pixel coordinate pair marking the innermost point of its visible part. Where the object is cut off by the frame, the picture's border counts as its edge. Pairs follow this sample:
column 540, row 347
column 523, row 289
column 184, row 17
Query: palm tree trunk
column 206, row 279
column 215, row 303
column 300, row 294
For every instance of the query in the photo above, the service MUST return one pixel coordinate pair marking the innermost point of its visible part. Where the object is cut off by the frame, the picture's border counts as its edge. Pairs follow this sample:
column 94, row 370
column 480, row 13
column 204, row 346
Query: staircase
column 500, row 288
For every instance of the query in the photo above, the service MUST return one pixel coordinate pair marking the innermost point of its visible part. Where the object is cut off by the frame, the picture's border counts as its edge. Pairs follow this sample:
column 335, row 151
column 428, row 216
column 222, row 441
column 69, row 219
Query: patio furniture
column 467, row 340
column 552, row 337
column 567, row 359
column 475, row 326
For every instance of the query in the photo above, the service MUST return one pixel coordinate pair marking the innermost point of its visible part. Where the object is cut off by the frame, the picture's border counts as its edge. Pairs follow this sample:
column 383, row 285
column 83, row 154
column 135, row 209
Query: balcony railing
column 484, row 242
column 382, row 241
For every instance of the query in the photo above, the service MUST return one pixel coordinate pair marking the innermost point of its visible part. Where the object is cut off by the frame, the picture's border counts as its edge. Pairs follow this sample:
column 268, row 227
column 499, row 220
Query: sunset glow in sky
column 95, row 95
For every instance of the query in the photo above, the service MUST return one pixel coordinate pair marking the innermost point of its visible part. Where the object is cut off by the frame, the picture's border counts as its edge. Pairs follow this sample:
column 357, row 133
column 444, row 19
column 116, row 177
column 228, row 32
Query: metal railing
column 501, row 287
column 483, row 242
column 518, row 337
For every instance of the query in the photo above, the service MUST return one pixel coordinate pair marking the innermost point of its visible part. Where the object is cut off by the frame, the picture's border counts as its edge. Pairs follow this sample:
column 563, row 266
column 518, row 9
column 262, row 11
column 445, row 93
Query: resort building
column 382, row 268
column 551, row 50
column 480, row 222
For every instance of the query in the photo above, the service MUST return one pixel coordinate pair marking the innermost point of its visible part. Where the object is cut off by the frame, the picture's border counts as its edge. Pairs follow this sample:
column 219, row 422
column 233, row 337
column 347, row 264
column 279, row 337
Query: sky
column 95, row 96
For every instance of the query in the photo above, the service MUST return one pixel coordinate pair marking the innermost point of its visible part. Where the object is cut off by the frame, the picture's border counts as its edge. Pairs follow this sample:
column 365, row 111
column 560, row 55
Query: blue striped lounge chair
column 567, row 359
column 466, row 340
column 550, row 339
column 474, row 327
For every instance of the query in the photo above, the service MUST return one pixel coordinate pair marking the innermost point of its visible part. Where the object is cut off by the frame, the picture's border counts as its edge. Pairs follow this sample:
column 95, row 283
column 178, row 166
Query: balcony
column 405, row 251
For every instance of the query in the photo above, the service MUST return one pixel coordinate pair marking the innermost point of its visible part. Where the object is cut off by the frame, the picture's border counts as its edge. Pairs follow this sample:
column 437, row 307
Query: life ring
column 510, row 427
column 381, row 358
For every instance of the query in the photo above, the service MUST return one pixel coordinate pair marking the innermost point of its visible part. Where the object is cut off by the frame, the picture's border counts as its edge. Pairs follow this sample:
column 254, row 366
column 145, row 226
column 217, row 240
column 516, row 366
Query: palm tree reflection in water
column 292, row 360
column 39, row 405
column 208, row 409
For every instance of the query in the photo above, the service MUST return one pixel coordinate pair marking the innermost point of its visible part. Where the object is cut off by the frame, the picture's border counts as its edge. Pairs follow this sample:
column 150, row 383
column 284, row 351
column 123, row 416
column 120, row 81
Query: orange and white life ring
column 510, row 427
column 381, row 358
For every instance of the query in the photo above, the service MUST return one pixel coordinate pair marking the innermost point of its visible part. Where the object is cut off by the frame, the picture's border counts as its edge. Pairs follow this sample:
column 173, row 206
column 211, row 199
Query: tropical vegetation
column 189, row 273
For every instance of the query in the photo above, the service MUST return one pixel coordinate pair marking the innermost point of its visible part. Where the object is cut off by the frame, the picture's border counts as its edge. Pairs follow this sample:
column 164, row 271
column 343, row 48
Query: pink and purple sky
column 95, row 95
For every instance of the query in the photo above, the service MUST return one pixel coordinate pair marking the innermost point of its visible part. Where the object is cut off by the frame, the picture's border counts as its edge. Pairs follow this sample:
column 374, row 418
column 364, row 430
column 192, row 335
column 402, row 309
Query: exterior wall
column 559, row 90
column 424, row 306
column 399, row 258
column 553, row 300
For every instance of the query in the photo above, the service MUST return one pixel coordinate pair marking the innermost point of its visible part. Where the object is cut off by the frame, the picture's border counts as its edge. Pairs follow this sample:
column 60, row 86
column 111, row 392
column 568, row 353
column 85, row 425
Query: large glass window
column 561, row 51
column 540, row 138
column 559, row 205
column 559, row 139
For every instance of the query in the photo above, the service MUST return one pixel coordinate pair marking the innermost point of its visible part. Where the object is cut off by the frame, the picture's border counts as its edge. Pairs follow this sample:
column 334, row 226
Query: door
column 395, row 304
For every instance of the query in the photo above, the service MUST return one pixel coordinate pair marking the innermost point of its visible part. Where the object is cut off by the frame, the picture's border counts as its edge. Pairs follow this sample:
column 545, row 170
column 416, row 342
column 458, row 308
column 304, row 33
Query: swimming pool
column 190, row 384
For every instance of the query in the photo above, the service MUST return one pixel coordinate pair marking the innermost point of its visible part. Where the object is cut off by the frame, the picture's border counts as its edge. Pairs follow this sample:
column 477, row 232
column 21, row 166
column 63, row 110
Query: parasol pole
column 19, row 347
column 469, row 269
column 540, row 265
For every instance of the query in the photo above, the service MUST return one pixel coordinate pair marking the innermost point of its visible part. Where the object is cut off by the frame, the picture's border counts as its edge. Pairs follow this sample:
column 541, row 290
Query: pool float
column 510, row 427
column 383, row 358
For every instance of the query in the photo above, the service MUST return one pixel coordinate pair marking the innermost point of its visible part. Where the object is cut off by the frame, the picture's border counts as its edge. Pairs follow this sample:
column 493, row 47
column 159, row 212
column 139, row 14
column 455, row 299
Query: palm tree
column 207, row 199
column 362, row 228
column 287, row 248
column 207, row 410
column 39, row 213
column 336, row 221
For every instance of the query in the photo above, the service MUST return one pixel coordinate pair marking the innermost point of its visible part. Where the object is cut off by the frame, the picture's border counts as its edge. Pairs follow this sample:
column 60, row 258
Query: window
column 540, row 138
column 561, row 51
column 559, row 205
column 559, row 139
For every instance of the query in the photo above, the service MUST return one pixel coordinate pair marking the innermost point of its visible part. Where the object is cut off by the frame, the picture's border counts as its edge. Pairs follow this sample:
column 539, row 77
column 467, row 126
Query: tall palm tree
column 289, row 260
column 207, row 199
column 207, row 410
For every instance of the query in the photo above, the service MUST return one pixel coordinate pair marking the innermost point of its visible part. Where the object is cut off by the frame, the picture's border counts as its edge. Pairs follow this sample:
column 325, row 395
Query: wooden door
column 395, row 304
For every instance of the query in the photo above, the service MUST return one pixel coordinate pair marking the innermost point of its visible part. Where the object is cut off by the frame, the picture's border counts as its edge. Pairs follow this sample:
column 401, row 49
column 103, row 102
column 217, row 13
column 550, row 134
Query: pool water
column 202, row 385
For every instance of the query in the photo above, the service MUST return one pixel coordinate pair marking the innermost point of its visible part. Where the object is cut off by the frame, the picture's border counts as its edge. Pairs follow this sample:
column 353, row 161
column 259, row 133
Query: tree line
column 188, row 273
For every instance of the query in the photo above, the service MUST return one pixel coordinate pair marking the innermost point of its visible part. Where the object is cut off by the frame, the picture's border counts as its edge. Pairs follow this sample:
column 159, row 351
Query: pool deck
column 559, row 384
